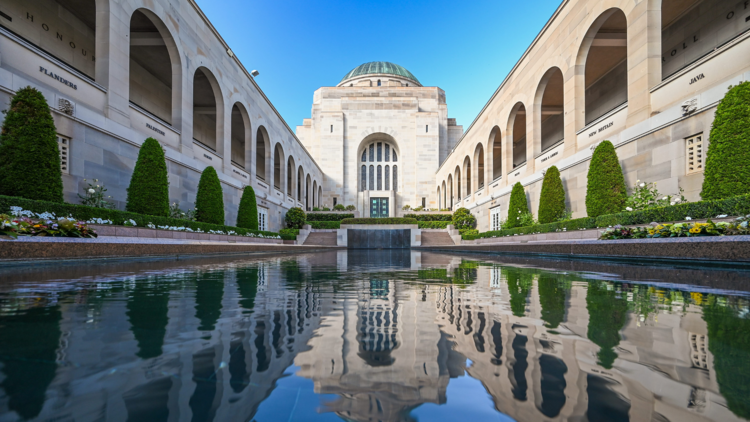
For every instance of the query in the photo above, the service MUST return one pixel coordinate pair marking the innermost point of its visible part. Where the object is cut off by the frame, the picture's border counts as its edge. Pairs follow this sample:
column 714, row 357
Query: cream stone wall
column 649, row 131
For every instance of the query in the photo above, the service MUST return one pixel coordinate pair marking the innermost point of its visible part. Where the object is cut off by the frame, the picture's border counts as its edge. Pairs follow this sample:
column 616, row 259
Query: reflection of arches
column 240, row 127
column 517, row 133
column 603, row 56
column 278, row 166
column 495, row 145
column 262, row 155
column 154, row 67
column 290, row 166
column 548, row 114
column 208, row 109
column 479, row 167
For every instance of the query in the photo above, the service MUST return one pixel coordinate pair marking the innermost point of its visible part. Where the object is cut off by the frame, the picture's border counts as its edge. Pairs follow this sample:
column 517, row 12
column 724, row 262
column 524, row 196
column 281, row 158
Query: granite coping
column 734, row 249
column 145, row 232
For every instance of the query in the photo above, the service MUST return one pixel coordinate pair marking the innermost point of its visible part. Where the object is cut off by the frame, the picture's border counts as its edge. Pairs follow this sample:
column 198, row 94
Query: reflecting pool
column 374, row 336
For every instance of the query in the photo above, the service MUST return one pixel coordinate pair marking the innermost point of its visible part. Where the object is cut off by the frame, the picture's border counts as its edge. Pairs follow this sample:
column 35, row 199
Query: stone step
column 321, row 239
column 432, row 238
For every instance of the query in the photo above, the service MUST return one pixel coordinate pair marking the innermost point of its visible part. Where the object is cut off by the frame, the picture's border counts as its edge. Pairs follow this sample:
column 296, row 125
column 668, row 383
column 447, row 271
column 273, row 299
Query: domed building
column 379, row 136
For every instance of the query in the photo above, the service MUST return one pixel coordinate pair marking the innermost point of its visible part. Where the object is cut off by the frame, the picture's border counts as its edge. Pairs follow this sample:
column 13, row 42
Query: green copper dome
column 378, row 68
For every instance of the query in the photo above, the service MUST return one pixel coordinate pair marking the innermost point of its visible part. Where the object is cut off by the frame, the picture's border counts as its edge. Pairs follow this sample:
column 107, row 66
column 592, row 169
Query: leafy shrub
column 527, row 219
column 94, row 196
column 209, row 201
column 727, row 171
column 328, row 217
column 406, row 208
column 418, row 209
column 148, row 192
column 433, row 224
column 517, row 206
column 179, row 214
column 577, row 224
column 29, row 156
column 463, row 219
column 316, row 209
column 430, row 217
column 84, row 213
column 326, row 209
column 295, row 218
column 247, row 214
column 605, row 191
column 552, row 200
column 381, row 221
column 645, row 195
column 325, row 224
column 468, row 233
column 339, row 207
column 350, row 208
column 289, row 234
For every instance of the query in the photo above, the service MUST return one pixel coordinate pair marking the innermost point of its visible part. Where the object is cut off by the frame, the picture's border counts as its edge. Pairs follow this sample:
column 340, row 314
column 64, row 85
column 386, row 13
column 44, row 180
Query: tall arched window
column 372, row 152
column 363, row 184
column 377, row 177
column 395, row 178
column 380, row 152
column 372, row 177
column 387, row 176
column 378, row 82
column 364, row 156
column 380, row 177
column 394, row 156
column 387, row 152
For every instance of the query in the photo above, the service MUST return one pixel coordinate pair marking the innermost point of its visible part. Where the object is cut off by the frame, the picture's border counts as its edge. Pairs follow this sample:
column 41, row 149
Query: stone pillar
column 570, row 110
column 112, row 68
column 224, row 136
column 644, row 58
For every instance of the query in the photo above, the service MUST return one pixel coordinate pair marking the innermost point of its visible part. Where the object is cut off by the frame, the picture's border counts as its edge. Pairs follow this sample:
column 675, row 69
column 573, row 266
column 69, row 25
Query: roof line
column 252, row 80
column 507, row 78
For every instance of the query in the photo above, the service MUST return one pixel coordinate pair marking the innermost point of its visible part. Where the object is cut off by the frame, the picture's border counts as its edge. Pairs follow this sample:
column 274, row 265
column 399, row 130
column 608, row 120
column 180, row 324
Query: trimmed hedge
column 727, row 170
column 576, row 224
column 324, row 224
column 430, row 217
column 327, row 217
column 433, row 224
column 148, row 192
column 29, row 156
column 380, row 221
column 289, row 234
column 552, row 198
column 295, row 218
column 209, row 201
column 247, row 215
column 84, row 213
column 605, row 190
column 517, row 206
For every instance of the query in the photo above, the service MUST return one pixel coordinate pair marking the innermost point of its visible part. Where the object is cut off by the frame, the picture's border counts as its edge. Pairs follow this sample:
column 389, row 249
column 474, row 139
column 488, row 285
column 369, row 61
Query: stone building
column 380, row 136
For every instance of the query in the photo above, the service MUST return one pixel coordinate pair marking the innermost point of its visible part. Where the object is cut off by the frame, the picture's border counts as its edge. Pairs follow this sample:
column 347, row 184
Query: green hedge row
column 81, row 212
column 327, row 217
column 324, row 224
column 433, row 224
column 738, row 205
column 379, row 221
column 289, row 234
column 430, row 217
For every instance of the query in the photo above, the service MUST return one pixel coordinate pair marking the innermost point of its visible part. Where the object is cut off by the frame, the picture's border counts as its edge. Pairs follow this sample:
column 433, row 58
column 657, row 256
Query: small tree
column 29, row 155
column 517, row 207
column 552, row 200
column 295, row 218
column 148, row 192
column 605, row 192
column 463, row 219
column 247, row 215
column 727, row 171
column 209, row 202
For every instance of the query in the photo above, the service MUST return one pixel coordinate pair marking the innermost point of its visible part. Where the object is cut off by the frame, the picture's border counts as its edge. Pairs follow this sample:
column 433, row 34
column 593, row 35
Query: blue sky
column 465, row 48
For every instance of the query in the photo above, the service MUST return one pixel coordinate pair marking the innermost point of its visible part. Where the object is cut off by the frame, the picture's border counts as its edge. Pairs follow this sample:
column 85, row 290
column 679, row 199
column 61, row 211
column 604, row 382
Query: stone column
column 644, row 58
column 112, row 68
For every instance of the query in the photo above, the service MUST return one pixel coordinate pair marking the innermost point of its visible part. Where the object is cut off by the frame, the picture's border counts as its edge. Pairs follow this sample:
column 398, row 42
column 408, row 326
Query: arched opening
column 240, row 134
column 606, row 66
column 315, row 193
column 467, row 175
column 458, row 185
column 375, row 151
column 307, row 193
column 496, row 146
column 207, row 105
column 300, row 183
column 320, row 195
column 450, row 193
column 549, row 105
column 278, row 167
column 445, row 198
column 290, row 166
column 479, row 160
column 517, row 130
column 262, row 155
column 154, row 66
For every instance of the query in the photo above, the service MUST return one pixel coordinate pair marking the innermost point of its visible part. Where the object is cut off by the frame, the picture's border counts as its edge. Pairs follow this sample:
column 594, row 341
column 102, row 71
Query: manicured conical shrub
column 29, row 155
column 209, row 202
column 727, row 170
column 552, row 200
column 517, row 206
column 148, row 192
column 605, row 192
column 247, row 215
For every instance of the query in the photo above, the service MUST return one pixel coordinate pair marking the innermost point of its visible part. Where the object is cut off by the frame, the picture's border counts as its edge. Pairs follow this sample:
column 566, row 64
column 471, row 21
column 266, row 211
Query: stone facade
column 115, row 73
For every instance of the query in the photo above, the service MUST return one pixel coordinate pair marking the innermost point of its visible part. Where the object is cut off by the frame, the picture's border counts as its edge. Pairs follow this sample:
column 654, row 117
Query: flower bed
column 18, row 225
column 654, row 231
column 51, row 210
column 379, row 221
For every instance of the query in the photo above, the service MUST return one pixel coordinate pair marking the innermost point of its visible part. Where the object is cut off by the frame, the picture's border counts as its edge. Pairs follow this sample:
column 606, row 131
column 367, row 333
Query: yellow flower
column 650, row 232
column 695, row 230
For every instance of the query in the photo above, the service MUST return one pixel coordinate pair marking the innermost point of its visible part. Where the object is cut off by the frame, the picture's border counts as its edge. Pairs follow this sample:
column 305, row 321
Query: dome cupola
column 372, row 69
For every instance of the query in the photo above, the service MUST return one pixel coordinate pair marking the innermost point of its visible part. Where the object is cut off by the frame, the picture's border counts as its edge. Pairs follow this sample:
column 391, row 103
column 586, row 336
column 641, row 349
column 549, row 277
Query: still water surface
column 378, row 336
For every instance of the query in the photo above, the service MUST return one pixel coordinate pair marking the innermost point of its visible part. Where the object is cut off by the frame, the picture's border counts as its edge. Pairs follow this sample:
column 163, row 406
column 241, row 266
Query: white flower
column 628, row 209
column 672, row 203
column 688, row 218
column 91, row 191
column 721, row 216
column 677, row 200
column 664, row 199
column 643, row 185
